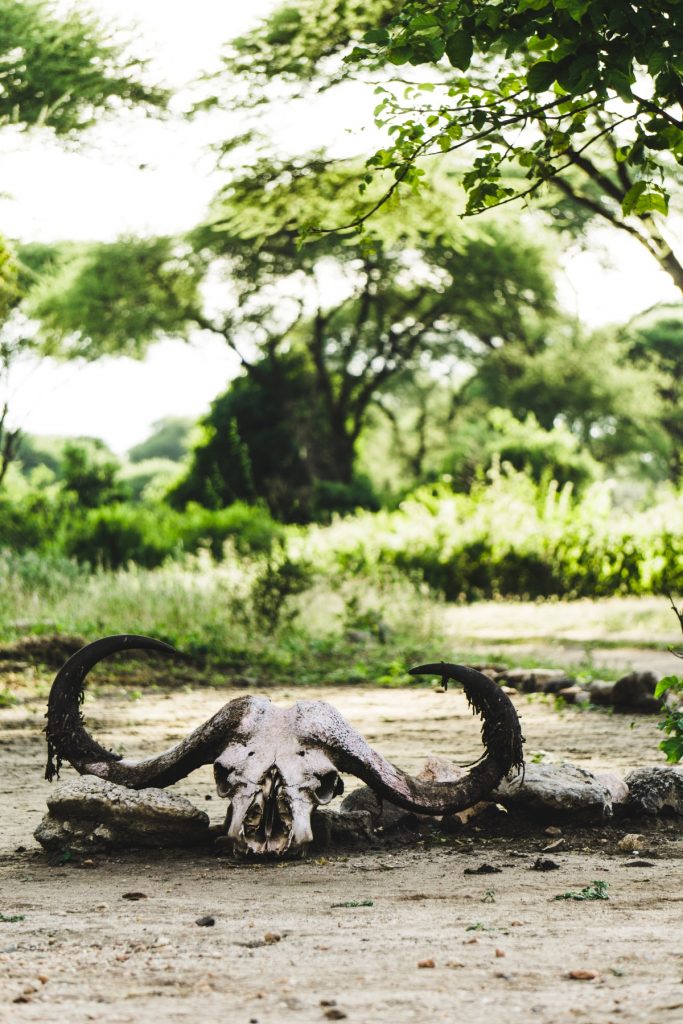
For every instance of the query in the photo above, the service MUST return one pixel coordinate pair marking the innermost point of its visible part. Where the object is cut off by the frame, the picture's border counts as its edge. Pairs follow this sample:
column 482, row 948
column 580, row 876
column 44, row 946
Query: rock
column 616, row 786
column 536, row 680
column 601, row 692
column 341, row 828
column 387, row 815
column 556, row 788
column 635, row 692
column 545, row 864
column 88, row 814
column 631, row 842
column 653, row 790
column 574, row 695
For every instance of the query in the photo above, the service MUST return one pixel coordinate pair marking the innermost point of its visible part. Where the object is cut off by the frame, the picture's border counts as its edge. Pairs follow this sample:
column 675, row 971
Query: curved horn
column 69, row 740
column 501, row 735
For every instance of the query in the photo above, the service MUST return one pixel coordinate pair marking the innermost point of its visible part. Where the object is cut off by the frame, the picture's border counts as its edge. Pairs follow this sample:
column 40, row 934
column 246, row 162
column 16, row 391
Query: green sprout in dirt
column 597, row 890
column 672, row 723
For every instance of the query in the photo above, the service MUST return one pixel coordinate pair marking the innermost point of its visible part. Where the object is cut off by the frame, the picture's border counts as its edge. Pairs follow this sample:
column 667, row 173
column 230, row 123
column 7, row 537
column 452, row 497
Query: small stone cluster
column 632, row 693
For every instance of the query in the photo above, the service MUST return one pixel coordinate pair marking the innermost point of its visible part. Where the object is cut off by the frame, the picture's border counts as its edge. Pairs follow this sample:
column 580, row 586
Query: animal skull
column 273, row 781
column 276, row 765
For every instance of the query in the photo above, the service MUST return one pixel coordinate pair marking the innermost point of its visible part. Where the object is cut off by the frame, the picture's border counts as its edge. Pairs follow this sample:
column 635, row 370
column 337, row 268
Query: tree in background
column 656, row 339
column 170, row 439
column 264, row 438
column 358, row 314
column 61, row 70
column 9, row 296
column 91, row 474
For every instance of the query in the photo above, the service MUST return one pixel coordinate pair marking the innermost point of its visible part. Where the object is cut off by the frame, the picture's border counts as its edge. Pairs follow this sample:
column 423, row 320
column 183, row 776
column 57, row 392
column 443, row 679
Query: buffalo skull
column 276, row 765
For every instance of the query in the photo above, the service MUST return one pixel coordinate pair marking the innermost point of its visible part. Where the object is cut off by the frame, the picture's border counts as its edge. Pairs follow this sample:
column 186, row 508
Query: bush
column 112, row 537
column 511, row 536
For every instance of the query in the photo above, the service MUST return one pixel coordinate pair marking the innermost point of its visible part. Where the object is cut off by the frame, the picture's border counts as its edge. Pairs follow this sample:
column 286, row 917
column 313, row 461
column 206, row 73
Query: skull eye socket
column 222, row 776
column 330, row 785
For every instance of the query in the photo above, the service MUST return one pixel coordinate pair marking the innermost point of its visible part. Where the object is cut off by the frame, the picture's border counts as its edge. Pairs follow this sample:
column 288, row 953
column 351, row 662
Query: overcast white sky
column 142, row 176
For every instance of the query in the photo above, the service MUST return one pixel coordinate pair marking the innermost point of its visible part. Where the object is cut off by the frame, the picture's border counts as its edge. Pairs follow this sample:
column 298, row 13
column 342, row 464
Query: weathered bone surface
column 88, row 814
column 274, row 765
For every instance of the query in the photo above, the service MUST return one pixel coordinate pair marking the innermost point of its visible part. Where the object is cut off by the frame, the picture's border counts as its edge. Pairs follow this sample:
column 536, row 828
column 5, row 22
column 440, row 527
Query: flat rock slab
column 556, row 788
column 89, row 813
column 653, row 790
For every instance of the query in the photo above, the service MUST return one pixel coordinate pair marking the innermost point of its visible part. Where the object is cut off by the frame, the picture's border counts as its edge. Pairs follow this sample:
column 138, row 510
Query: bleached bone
column 275, row 765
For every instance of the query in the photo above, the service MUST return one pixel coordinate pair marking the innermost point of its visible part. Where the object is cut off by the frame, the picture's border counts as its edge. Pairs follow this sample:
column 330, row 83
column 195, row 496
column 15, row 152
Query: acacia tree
column 573, row 102
column 61, row 70
column 422, row 291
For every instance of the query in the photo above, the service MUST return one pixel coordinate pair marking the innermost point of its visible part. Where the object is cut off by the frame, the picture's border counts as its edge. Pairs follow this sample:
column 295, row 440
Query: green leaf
column 652, row 202
column 674, row 683
column 399, row 55
column 574, row 8
column 631, row 198
column 673, row 748
column 541, row 75
column 459, row 49
column 379, row 36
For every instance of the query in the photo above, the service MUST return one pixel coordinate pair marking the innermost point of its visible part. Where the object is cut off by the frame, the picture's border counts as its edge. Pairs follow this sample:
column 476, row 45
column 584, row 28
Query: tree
column 61, row 70
column 573, row 102
column 111, row 298
column 170, row 439
column 10, row 347
column 265, row 438
column 422, row 292
column 90, row 473
column 656, row 339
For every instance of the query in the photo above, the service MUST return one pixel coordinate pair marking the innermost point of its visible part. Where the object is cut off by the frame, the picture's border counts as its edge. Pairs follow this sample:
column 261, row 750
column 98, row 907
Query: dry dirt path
column 502, row 946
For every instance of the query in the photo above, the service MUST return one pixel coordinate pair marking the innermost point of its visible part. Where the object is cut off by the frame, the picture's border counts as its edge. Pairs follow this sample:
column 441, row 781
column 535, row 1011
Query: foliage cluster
column 510, row 537
column 119, row 533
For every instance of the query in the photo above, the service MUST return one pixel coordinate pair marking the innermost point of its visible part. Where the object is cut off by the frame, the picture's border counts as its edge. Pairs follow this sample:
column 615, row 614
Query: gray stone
column 387, row 815
column 556, row 788
column 635, row 692
column 335, row 828
column 381, row 813
column 657, row 789
column 574, row 695
column 617, row 787
column 601, row 692
column 536, row 680
column 90, row 814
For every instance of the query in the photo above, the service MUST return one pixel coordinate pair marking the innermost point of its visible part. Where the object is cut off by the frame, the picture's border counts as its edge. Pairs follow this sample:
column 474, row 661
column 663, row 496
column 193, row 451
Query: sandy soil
column 502, row 946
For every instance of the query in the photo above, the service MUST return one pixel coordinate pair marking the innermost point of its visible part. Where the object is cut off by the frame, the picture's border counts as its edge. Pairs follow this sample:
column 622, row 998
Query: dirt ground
column 284, row 947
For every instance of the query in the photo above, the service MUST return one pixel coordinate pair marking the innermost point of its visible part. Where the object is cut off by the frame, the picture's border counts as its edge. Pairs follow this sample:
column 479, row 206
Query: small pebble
column 500, row 952
column 334, row 1013
column 271, row 937
column 553, row 830
column 544, row 864
column 581, row 975
column 426, row 963
column 206, row 922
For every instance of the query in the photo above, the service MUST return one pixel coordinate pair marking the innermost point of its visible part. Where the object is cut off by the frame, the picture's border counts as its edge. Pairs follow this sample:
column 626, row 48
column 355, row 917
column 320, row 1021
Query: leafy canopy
column 575, row 70
column 61, row 69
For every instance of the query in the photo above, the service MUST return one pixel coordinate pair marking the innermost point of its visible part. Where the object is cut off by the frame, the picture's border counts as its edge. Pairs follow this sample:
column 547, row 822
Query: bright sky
column 142, row 176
